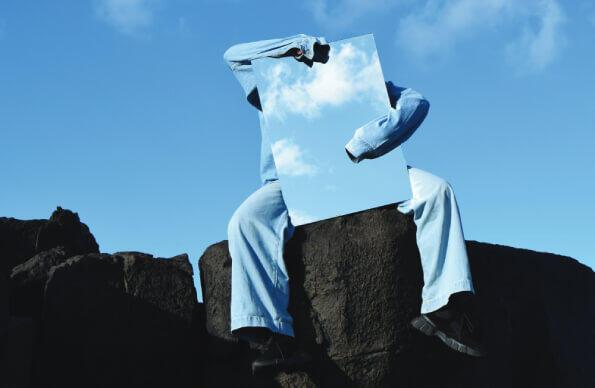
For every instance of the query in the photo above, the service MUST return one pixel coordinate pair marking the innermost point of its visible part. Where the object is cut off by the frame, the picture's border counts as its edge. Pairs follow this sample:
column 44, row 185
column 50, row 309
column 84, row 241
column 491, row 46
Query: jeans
column 260, row 227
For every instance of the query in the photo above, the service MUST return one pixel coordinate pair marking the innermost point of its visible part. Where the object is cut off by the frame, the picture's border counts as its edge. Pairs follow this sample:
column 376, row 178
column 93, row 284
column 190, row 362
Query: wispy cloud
column 349, row 74
column 439, row 25
column 290, row 159
column 130, row 17
column 299, row 217
column 341, row 13
column 435, row 30
column 538, row 47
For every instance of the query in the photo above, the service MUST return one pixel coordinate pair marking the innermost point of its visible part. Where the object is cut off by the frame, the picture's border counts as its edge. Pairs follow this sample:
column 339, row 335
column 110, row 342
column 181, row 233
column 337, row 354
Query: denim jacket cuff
column 356, row 149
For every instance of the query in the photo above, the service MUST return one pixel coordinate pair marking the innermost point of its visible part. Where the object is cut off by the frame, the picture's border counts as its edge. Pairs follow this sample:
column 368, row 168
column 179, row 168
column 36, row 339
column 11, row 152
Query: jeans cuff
column 356, row 149
column 278, row 326
column 433, row 304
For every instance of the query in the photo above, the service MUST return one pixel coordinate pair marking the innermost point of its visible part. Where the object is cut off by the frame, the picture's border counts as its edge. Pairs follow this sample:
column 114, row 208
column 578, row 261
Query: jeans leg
column 439, row 237
column 257, row 233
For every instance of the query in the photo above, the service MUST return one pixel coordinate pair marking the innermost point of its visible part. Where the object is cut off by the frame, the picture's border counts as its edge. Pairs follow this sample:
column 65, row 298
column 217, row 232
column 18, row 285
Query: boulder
column 126, row 319
column 28, row 281
column 22, row 239
column 355, row 285
column 16, row 352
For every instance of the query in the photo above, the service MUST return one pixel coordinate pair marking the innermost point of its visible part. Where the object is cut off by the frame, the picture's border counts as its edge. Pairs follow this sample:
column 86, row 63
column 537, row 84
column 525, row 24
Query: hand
column 321, row 54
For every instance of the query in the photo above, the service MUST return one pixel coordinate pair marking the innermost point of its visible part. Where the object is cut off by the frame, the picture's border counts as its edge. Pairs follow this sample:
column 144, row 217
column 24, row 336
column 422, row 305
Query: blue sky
column 124, row 111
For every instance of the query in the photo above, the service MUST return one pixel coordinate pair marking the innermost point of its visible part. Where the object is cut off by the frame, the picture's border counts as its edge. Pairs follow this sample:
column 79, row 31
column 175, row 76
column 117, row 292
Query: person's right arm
column 380, row 136
column 240, row 56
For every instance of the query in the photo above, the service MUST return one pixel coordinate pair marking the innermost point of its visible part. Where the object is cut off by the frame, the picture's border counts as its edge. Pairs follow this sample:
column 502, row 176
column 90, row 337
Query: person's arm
column 380, row 136
column 240, row 56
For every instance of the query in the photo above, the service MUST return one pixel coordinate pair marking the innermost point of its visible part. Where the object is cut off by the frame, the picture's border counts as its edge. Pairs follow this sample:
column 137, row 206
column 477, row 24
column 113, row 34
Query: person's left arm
column 380, row 136
column 239, row 57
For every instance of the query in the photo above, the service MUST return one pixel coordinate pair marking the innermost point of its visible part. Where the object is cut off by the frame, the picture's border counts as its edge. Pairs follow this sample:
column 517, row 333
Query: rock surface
column 128, row 319
column 355, row 285
column 28, row 281
column 125, row 318
column 21, row 239
column 81, row 318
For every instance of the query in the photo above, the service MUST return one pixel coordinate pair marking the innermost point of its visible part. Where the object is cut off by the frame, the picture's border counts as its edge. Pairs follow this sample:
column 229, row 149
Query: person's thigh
column 424, row 184
column 264, row 209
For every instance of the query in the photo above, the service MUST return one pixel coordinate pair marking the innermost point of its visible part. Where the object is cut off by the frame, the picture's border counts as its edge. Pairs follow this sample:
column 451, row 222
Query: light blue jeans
column 260, row 227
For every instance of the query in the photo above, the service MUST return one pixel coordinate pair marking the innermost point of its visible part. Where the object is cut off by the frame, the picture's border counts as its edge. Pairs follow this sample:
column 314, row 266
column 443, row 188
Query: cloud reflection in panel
column 310, row 114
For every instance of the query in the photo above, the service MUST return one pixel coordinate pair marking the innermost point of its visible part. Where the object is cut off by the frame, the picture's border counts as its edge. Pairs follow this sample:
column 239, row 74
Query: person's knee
column 248, row 218
column 443, row 187
column 240, row 221
column 441, row 191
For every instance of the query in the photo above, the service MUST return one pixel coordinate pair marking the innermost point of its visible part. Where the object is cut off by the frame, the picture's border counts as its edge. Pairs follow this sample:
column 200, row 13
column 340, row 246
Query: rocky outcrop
column 22, row 239
column 355, row 285
column 125, row 318
column 28, row 281
column 81, row 318
column 78, row 317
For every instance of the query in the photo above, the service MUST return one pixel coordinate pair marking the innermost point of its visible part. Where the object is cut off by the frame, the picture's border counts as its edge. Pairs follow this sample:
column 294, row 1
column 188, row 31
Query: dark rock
column 18, row 241
column 4, row 313
column 355, row 285
column 22, row 239
column 16, row 353
column 66, row 229
column 28, row 281
column 119, row 320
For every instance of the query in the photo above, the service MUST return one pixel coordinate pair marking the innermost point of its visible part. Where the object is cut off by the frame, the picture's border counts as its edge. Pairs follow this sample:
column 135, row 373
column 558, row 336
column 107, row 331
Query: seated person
column 260, row 227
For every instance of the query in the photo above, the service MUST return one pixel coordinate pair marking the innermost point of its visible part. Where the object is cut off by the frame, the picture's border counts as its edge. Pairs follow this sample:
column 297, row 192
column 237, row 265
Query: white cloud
column 537, row 48
column 341, row 13
column 299, row 217
column 348, row 75
column 290, row 159
column 127, row 16
column 440, row 25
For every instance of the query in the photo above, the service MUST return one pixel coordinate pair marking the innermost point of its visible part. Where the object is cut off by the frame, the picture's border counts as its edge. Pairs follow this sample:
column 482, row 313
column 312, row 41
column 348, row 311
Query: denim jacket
column 408, row 107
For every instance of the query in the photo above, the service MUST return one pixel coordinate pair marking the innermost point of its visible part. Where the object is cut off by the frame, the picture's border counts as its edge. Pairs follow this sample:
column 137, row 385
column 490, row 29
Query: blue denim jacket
column 408, row 107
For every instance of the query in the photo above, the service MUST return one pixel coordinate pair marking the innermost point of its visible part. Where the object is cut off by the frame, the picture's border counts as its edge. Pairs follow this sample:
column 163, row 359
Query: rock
column 28, row 281
column 18, row 240
column 66, row 229
column 16, row 353
column 355, row 285
column 22, row 239
column 126, row 319
column 4, row 311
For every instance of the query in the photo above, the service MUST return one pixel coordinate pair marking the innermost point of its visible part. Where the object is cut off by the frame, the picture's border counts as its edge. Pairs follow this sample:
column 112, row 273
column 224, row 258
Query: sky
column 310, row 114
column 125, row 112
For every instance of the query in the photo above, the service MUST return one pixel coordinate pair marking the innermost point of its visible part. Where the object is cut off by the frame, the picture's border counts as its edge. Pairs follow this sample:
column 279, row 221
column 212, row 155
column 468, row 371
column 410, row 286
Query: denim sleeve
column 240, row 56
column 380, row 136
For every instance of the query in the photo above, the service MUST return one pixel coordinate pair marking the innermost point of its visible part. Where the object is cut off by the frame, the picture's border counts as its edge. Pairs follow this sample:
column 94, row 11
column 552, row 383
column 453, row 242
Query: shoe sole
column 292, row 364
column 426, row 326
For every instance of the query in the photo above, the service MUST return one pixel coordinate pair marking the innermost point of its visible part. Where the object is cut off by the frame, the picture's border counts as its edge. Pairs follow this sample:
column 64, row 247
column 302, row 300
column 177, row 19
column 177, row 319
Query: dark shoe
column 453, row 328
column 280, row 353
